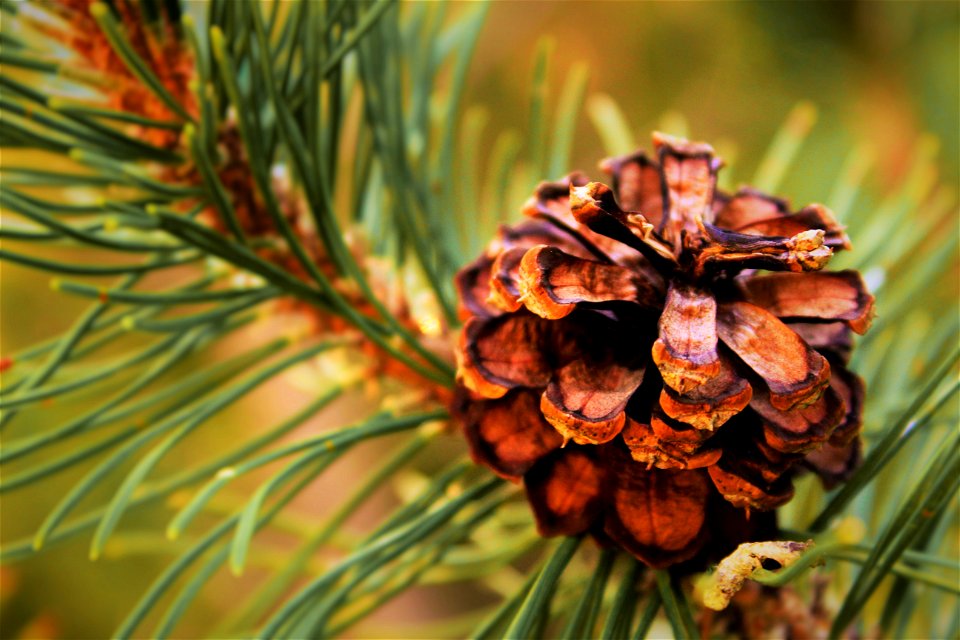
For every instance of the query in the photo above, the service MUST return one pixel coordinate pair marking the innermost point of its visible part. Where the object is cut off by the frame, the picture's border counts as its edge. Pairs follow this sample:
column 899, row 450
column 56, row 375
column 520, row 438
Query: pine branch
column 305, row 142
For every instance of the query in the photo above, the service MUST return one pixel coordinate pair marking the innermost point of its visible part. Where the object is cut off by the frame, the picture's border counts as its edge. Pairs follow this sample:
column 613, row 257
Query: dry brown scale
column 760, row 613
column 626, row 356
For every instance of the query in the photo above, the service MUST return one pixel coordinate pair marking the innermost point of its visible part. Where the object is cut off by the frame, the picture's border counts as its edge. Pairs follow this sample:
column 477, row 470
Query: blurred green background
column 880, row 74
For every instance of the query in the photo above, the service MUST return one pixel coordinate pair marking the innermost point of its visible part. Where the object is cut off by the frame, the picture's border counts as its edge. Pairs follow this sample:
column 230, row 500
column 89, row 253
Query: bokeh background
column 883, row 72
column 882, row 75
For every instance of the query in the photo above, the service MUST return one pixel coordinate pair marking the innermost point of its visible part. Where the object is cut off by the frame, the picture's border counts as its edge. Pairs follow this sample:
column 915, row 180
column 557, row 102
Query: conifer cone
column 627, row 356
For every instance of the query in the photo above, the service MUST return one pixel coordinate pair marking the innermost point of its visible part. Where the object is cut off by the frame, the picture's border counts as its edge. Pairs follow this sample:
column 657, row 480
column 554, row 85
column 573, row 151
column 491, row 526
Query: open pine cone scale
column 624, row 355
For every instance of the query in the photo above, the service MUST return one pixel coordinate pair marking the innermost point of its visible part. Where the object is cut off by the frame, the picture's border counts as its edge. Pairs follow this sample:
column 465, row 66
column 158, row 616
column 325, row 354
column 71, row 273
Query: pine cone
column 640, row 311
